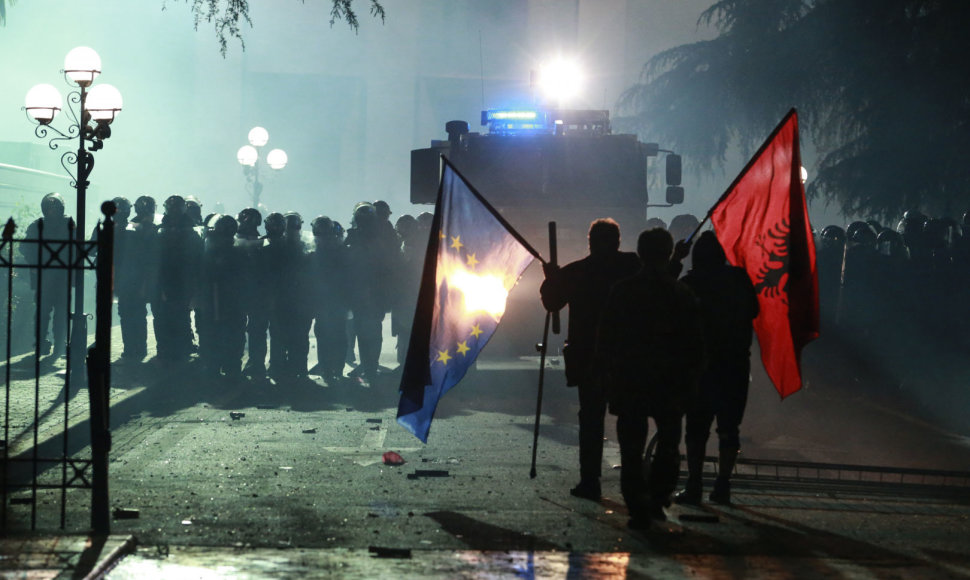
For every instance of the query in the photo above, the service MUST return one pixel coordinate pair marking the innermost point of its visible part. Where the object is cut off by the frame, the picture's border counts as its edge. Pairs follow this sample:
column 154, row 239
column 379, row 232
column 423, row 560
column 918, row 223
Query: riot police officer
column 290, row 328
column 135, row 283
column 370, row 263
column 329, row 298
column 179, row 255
column 221, row 318
column 50, row 285
column 249, row 241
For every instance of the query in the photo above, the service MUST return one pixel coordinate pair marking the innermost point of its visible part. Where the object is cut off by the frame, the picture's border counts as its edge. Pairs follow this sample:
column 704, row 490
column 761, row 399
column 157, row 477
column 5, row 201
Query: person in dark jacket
column 328, row 299
column 584, row 286
column 179, row 256
column 290, row 327
column 371, row 262
column 221, row 316
column 136, row 277
column 729, row 305
column 50, row 285
column 649, row 354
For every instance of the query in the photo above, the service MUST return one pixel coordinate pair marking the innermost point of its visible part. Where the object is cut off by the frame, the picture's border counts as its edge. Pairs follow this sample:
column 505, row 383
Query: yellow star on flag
column 444, row 357
column 456, row 242
column 476, row 330
column 472, row 260
column 463, row 348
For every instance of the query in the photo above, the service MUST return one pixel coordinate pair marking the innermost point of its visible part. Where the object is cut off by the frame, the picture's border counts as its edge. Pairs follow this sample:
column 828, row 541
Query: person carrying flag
column 649, row 354
column 728, row 306
column 584, row 286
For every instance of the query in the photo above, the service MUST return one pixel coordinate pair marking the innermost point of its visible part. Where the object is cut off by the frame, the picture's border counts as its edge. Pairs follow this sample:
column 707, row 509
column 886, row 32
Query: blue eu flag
column 473, row 260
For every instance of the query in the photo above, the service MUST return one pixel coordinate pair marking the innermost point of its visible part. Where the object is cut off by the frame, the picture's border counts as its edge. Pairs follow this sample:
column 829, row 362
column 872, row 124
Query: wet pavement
column 219, row 480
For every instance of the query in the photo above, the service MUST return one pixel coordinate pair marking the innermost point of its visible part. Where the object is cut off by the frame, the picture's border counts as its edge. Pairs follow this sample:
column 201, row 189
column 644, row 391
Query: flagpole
column 542, row 372
column 744, row 171
column 554, row 318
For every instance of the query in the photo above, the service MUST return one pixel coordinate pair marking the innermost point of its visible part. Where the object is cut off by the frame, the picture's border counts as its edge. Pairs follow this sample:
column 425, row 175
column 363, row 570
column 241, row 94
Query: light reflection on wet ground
column 251, row 564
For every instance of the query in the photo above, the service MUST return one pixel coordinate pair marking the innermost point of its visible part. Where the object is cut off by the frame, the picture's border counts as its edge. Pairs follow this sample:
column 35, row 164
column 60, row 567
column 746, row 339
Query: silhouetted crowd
column 246, row 300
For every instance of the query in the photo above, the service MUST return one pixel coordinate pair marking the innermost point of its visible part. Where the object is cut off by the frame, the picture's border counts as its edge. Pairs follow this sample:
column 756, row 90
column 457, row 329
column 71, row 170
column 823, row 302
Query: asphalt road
column 291, row 476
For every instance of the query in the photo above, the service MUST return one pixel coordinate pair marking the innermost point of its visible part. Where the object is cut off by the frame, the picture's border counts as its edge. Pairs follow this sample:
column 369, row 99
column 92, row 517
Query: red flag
column 762, row 223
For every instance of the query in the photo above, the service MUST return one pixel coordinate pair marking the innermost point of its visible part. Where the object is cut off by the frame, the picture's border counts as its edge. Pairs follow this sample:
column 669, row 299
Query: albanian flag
column 762, row 223
column 473, row 260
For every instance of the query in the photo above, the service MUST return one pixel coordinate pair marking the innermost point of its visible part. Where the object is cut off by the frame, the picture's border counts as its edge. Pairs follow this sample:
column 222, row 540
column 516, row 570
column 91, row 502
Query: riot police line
column 239, row 295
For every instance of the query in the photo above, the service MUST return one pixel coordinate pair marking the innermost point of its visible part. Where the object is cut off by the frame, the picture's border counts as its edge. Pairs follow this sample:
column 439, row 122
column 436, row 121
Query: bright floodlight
column 258, row 136
column 560, row 79
column 247, row 155
column 103, row 102
column 276, row 159
column 804, row 174
column 43, row 103
column 81, row 65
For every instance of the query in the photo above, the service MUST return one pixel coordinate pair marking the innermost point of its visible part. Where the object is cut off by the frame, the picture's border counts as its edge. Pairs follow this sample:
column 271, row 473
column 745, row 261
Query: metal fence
column 55, row 440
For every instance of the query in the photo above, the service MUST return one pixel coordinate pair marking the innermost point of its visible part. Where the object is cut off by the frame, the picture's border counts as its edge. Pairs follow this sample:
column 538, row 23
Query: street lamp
column 248, row 157
column 98, row 106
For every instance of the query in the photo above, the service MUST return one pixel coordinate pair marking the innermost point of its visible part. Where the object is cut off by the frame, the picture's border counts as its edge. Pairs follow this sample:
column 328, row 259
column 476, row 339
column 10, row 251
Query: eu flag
column 473, row 260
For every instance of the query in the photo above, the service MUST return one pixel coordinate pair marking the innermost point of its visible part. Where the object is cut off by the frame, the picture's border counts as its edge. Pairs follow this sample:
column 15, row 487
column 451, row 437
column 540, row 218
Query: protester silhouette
column 584, row 286
column 649, row 355
column 728, row 305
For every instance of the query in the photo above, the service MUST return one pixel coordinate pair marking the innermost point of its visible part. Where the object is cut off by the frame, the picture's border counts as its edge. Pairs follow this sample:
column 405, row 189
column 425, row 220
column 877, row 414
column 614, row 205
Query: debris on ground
column 381, row 552
column 428, row 473
column 236, row 415
column 392, row 458
column 126, row 514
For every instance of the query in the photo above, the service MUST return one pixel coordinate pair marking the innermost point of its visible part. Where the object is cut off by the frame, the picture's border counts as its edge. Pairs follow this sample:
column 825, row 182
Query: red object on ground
column 391, row 458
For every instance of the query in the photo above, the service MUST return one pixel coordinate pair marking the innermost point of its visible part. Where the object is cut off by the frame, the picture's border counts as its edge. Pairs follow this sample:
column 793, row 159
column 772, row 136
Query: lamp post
column 91, row 110
column 248, row 157
column 90, row 125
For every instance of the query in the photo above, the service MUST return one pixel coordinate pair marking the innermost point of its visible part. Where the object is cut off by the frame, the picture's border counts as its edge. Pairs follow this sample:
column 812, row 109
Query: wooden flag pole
column 543, row 348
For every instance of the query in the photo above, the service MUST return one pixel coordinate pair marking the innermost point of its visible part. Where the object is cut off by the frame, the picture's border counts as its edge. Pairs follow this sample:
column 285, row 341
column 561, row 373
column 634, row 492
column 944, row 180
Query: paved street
column 252, row 481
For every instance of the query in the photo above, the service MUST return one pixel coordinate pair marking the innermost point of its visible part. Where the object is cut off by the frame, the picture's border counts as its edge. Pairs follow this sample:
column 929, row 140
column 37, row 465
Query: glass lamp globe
column 82, row 65
column 43, row 102
column 276, row 159
column 258, row 136
column 103, row 102
column 247, row 155
column 804, row 174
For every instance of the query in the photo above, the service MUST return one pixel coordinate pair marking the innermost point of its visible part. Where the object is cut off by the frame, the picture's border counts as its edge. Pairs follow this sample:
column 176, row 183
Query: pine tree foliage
column 881, row 87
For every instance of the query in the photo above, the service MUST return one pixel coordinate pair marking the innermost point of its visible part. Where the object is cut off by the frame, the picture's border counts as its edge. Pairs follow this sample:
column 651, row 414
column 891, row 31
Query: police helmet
column 364, row 214
column 890, row 243
column 175, row 205
column 860, row 233
column 145, row 205
column 833, row 233
column 405, row 225
column 382, row 209
column 225, row 226
column 294, row 221
column 250, row 215
column 275, row 224
column 52, row 205
column 322, row 226
column 123, row 206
